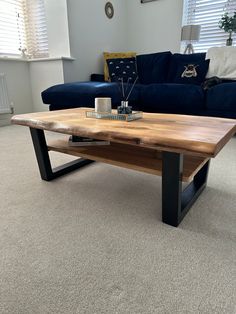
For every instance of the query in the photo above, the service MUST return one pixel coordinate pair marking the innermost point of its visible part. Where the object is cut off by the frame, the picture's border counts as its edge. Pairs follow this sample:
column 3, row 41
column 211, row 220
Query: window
column 23, row 28
column 207, row 13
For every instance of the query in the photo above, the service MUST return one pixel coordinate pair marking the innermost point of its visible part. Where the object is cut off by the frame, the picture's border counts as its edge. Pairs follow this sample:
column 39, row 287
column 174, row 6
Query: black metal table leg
column 172, row 168
column 45, row 168
column 175, row 202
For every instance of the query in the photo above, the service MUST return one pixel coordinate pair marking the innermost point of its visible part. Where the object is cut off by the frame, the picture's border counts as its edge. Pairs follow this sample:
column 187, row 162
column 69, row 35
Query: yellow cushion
column 115, row 55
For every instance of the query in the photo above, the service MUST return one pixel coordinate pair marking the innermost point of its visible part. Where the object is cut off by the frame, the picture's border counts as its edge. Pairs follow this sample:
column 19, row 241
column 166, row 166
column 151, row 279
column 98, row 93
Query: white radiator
column 5, row 104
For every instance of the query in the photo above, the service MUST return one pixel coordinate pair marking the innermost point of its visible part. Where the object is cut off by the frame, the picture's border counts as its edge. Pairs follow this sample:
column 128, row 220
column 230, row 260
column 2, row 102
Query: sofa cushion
column 222, row 97
column 82, row 94
column 174, row 98
column 122, row 69
column 113, row 55
column 191, row 73
column 153, row 68
column 177, row 60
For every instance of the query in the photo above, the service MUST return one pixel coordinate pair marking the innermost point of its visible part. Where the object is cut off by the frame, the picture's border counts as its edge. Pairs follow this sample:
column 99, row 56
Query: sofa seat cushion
column 82, row 94
column 174, row 98
column 153, row 67
column 222, row 97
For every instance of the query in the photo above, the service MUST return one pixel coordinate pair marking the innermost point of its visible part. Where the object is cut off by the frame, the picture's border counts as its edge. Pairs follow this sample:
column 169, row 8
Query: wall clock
column 109, row 10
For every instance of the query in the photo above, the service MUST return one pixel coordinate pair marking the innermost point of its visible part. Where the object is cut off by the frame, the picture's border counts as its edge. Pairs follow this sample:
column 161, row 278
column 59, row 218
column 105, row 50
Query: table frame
column 175, row 201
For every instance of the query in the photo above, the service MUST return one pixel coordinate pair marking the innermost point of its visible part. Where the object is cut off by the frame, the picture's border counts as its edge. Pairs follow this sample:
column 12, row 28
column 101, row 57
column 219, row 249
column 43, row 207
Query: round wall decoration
column 109, row 10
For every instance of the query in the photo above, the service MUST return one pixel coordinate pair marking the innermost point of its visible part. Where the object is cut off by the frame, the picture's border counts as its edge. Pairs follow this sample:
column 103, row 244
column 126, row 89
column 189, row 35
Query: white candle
column 103, row 104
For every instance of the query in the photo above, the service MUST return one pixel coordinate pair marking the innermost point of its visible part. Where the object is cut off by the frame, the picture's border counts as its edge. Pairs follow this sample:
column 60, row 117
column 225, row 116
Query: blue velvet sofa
column 159, row 89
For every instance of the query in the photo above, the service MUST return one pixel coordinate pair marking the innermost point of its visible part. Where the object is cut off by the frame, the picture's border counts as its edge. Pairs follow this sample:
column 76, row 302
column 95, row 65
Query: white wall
column 18, row 84
column 144, row 28
column 154, row 26
column 57, row 28
column 91, row 33
column 44, row 74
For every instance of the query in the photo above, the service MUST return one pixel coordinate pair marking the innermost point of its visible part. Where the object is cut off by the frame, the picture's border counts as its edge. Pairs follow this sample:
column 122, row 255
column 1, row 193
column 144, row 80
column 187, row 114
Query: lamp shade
column 190, row 33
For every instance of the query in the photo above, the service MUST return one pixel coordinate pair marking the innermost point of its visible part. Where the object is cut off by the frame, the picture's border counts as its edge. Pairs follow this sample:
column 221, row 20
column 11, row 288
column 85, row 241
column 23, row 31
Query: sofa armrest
column 97, row 78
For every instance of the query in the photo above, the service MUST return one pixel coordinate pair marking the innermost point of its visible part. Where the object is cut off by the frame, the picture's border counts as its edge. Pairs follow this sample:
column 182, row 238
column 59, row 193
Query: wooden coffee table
column 177, row 147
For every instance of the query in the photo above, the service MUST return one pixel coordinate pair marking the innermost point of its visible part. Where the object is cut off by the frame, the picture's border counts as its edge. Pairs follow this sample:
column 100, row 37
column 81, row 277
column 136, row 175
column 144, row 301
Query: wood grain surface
column 126, row 156
column 194, row 135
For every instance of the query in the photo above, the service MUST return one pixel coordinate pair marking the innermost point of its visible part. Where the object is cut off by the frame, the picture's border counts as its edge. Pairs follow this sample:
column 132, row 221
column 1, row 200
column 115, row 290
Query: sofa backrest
column 153, row 68
column 162, row 67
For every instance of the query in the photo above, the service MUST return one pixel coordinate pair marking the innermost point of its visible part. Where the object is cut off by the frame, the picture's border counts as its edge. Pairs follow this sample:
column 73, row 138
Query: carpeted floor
column 93, row 241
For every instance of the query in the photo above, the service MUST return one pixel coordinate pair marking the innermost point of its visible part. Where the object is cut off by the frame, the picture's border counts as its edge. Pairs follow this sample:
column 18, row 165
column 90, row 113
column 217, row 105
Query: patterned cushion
column 191, row 72
column 122, row 68
column 115, row 55
column 178, row 59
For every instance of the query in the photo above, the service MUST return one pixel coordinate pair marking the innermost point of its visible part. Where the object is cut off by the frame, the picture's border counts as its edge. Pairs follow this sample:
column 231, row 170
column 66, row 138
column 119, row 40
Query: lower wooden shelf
column 128, row 156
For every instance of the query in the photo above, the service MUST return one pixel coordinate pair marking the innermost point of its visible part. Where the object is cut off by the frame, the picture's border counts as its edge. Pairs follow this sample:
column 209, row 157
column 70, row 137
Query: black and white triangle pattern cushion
column 122, row 68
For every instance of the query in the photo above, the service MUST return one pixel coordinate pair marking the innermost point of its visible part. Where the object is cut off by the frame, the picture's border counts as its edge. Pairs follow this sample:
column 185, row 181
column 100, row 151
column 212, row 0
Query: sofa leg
column 43, row 159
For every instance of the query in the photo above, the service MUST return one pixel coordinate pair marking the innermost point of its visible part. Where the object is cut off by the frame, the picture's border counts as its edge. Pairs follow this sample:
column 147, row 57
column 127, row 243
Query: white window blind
column 12, row 28
column 23, row 27
column 36, row 29
column 207, row 13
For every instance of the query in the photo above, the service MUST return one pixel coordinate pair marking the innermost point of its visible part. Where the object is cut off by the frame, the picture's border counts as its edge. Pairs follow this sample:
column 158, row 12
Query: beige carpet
column 93, row 241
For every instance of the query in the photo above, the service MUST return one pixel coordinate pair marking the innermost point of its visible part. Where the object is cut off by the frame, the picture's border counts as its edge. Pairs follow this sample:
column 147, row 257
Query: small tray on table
column 135, row 115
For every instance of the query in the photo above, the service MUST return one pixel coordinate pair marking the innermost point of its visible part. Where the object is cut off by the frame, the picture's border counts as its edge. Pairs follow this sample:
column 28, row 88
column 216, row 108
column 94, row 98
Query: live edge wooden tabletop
column 194, row 135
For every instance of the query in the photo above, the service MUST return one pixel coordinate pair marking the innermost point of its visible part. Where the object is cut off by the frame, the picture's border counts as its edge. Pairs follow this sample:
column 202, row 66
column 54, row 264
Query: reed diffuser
column 126, row 91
